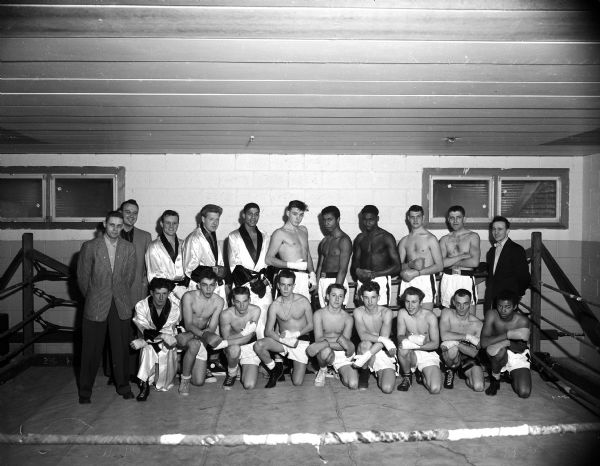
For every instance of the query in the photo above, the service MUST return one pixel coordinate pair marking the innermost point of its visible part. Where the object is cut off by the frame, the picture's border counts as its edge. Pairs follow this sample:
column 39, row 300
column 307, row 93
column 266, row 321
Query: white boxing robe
column 159, row 264
column 197, row 251
column 238, row 254
column 166, row 358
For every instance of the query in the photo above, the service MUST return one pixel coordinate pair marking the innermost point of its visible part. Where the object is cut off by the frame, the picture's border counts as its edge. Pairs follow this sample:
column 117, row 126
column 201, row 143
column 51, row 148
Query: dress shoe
column 128, row 396
column 84, row 400
column 144, row 391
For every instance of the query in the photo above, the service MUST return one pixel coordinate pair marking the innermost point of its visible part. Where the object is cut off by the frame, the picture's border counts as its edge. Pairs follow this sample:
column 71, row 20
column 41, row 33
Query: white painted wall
column 186, row 182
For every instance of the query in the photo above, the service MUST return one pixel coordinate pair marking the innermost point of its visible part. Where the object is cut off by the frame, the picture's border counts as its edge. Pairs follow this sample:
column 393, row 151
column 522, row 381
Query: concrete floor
column 44, row 400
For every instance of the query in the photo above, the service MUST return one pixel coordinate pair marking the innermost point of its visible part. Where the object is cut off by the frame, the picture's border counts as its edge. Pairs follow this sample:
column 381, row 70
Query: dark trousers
column 92, row 342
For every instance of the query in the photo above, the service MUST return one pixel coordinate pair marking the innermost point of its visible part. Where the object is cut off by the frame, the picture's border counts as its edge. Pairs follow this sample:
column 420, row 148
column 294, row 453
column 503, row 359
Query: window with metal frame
column 58, row 197
column 529, row 198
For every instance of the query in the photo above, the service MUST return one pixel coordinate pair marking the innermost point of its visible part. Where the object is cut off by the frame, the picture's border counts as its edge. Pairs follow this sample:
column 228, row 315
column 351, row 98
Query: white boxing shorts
column 383, row 361
column 425, row 283
column 324, row 283
column 248, row 356
column 450, row 283
column 385, row 288
column 426, row 359
column 341, row 360
column 517, row 361
column 298, row 353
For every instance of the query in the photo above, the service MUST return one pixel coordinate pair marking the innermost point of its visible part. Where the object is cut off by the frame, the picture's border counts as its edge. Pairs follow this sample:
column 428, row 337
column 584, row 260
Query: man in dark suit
column 140, row 239
column 105, row 273
column 507, row 267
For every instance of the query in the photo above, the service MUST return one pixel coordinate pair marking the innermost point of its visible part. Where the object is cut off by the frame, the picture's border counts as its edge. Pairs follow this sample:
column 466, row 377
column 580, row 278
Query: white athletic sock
column 270, row 365
column 186, row 377
column 232, row 372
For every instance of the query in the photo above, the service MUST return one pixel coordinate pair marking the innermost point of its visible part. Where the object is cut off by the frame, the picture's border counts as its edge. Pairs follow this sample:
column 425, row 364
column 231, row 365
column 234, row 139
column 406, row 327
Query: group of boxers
column 264, row 326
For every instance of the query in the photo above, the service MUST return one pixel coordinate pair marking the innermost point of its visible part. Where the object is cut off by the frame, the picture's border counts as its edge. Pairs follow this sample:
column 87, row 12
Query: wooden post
column 535, row 290
column 28, row 291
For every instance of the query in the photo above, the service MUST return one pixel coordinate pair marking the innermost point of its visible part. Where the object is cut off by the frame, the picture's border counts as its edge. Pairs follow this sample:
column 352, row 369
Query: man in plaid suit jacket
column 105, row 274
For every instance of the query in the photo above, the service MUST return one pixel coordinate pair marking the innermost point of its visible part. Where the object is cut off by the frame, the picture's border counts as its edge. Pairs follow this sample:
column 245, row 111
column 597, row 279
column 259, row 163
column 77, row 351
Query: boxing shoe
column 274, row 375
column 493, row 388
column 449, row 379
column 229, row 381
column 210, row 377
column 184, row 386
column 363, row 379
column 320, row 378
column 144, row 391
column 418, row 377
column 405, row 383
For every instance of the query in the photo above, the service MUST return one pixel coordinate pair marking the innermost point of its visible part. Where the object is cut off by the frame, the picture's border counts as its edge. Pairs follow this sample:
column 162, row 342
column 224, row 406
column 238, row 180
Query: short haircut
column 129, row 201
column 286, row 273
column 369, row 209
column 157, row 283
column 251, row 205
column 368, row 287
column 463, row 293
column 297, row 205
column 168, row 213
column 211, row 208
column 335, row 286
column 413, row 291
column 205, row 273
column 456, row 208
column 331, row 209
column 113, row 213
column 239, row 290
column 500, row 218
column 415, row 208
column 507, row 295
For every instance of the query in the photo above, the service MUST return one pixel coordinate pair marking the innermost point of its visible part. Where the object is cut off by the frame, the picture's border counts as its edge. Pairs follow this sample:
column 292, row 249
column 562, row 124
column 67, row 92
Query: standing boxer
column 334, row 254
column 247, row 248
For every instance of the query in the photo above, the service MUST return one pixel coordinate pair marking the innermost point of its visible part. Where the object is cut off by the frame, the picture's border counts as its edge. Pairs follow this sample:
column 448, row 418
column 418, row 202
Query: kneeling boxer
column 332, row 346
column 460, row 331
column 294, row 318
column 156, row 318
column 376, row 350
column 419, row 338
column 504, row 336
column 201, row 309
column 238, row 328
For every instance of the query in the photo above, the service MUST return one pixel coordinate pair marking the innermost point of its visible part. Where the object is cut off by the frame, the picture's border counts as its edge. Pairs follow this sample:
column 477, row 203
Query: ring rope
column 566, row 332
column 569, row 295
column 316, row 440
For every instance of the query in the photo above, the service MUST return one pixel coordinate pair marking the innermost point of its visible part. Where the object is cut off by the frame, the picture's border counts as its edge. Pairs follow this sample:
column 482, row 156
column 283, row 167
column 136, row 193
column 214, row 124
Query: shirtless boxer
column 420, row 256
column 334, row 254
column 238, row 328
column 460, row 332
column 288, row 249
column 375, row 256
column 332, row 346
column 294, row 318
column 460, row 255
column 202, row 250
column 164, row 258
column 505, row 337
column 418, row 339
column 247, row 247
column 376, row 350
column 200, row 310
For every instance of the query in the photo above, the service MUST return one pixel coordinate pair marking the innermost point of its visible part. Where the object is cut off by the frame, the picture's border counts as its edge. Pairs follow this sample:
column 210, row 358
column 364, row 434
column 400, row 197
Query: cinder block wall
column 186, row 182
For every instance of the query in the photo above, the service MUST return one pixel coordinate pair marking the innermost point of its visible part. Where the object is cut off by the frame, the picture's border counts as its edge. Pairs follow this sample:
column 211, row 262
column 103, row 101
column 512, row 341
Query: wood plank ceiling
column 434, row 77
